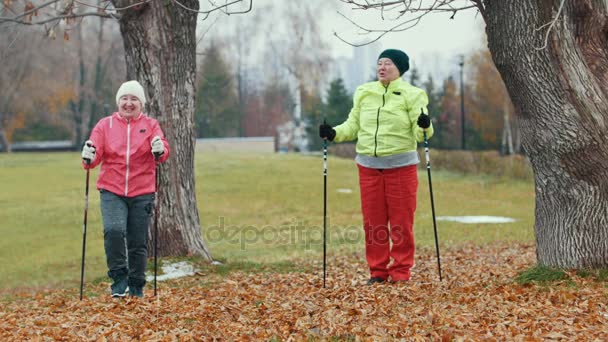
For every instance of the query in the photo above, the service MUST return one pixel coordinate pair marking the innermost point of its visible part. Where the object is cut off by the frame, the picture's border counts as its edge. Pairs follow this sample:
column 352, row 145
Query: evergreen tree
column 414, row 77
column 334, row 110
column 217, row 110
column 337, row 103
column 434, row 106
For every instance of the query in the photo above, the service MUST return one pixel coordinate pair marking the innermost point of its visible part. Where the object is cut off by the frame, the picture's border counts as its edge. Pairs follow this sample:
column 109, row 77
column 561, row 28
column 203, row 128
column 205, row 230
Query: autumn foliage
column 489, row 100
column 478, row 300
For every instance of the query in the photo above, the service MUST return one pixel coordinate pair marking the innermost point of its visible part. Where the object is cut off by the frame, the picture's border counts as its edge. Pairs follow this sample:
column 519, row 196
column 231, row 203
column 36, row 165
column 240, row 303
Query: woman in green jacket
column 388, row 120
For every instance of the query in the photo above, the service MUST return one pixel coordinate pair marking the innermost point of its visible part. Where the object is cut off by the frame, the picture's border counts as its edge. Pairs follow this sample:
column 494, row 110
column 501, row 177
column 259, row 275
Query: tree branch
column 436, row 6
column 68, row 13
column 204, row 34
column 224, row 6
column 482, row 8
column 550, row 24
column 56, row 18
column 404, row 7
column 115, row 9
column 31, row 11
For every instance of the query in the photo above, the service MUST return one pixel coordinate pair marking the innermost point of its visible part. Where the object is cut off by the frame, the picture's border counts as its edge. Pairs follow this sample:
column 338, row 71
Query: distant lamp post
column 462, row 129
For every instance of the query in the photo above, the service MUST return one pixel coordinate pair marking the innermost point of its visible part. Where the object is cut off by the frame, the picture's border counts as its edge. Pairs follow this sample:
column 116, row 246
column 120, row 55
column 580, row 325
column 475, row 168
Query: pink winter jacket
column 123, row 148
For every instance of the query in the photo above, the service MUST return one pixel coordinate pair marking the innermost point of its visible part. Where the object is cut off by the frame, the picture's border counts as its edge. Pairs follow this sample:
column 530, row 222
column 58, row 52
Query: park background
column 258, row 77
column 261, row 213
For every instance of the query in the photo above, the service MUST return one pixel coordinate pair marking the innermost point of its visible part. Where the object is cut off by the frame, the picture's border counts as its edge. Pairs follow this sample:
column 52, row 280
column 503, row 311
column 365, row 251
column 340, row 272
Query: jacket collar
column 394, row 84
column 118, row 117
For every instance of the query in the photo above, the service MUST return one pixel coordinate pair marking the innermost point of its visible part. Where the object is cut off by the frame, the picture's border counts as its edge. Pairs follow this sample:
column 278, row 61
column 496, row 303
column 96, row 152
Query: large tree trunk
column 159, row 39
column 560, row 94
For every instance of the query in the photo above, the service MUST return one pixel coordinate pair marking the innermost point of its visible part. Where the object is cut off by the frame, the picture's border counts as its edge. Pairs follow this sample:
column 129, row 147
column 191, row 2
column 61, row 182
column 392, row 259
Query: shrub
column 465, row 162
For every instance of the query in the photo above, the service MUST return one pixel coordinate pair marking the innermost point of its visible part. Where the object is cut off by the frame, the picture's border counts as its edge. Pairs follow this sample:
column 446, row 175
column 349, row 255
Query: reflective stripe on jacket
column 384, row 119
column 123, row 148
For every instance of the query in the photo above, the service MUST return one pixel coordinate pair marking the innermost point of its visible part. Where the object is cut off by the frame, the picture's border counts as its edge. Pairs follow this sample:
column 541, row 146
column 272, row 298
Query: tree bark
column 159, row 40
column 560, row 96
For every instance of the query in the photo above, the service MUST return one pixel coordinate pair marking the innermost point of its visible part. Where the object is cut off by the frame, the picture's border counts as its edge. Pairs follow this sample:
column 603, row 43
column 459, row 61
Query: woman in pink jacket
column 126, row 145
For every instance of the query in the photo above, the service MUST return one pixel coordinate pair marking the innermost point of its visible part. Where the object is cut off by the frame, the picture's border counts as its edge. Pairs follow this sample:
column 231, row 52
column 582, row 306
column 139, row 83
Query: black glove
column 424, row 121
column 326, row 132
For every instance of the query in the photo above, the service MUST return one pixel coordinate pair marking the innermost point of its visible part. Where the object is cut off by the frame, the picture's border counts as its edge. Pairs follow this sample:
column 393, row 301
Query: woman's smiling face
column 129, row 106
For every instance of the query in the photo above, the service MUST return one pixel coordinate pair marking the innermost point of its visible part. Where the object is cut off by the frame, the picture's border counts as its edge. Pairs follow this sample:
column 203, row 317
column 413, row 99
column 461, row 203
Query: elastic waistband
column 388, row 162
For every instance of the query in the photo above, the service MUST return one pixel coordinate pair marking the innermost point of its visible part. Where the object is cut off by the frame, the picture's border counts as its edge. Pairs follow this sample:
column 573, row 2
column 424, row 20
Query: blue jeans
column 125, row 234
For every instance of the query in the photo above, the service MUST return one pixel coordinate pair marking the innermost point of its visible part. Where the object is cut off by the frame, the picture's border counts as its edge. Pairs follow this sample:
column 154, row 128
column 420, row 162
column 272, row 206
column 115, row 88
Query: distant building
column 359, row 69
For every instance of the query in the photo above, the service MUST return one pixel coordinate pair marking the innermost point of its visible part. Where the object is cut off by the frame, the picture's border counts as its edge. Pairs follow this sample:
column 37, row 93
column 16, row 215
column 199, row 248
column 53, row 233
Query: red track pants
column 389, row 196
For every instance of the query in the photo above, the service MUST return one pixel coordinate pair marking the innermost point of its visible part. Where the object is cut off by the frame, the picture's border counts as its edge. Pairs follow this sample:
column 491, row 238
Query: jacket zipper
column 378, row 122
column 128, row 156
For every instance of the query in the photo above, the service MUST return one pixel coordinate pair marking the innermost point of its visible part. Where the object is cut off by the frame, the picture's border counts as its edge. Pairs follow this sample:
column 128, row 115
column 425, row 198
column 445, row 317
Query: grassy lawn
column 254, row 208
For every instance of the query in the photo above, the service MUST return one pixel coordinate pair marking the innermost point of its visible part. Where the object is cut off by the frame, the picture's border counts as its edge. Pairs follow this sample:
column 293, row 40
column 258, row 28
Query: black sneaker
column 136, row 292
column 374, row 280
column 120, row 288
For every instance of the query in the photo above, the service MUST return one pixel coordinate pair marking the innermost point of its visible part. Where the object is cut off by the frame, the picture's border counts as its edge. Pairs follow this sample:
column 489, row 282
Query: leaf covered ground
column 478, row 299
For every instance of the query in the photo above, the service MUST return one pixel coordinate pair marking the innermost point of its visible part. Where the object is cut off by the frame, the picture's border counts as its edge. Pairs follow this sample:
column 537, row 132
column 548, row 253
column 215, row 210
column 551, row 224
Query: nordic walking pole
column 156, row 156
column 324, row 208
column 428, row 169
column 84, row 229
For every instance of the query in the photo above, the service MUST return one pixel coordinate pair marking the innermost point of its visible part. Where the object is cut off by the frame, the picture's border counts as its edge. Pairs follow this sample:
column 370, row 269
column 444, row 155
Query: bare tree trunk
column 97, row 107
column 12, row 76
column 560, row 93
column 79, row 114
column 517, row 137
column 242, row 49
column 5, row 146
column 159, row 40
column 507, row 136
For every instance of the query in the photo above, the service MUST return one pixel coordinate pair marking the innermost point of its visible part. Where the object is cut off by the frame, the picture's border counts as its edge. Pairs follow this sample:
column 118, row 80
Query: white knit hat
column 132, row 88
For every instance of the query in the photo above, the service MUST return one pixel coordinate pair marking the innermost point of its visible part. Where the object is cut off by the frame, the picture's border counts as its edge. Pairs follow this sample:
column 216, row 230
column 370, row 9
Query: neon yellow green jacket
column 383, row 119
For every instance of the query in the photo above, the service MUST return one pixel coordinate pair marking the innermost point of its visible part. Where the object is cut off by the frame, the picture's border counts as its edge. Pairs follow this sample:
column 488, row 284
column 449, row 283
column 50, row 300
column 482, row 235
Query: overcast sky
column 434, row 44
column 434, row 33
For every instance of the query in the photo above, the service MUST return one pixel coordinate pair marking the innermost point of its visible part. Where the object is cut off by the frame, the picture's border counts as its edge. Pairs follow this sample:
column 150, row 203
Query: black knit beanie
column 399, row 58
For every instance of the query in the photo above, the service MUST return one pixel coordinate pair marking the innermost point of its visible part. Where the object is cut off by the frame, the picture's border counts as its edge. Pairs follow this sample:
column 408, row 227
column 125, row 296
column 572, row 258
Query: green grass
column 597, row 275
column 541, row 275
column 255, row 210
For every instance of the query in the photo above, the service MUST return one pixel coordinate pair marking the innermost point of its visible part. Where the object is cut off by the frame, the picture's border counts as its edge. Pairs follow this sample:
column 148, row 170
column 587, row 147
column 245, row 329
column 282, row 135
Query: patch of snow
column 345, row 191
column 476, row 219
column 173, row 271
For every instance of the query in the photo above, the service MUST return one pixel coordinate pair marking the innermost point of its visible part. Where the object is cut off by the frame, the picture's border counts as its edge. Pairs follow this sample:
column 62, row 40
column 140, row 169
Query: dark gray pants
column 125, row 233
